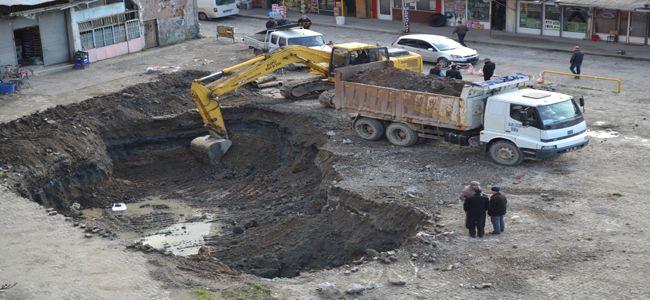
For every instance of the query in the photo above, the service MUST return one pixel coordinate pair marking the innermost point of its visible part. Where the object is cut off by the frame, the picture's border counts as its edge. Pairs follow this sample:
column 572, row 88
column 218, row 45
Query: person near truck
column 475, row 208
column 283, row 22
column 454, row 73
column 488, row 69
column 469, row 190
column 271, row 23
column 497, row 210
column 435, row 70
column 461, row 30
column 304, row 22
column 576, row 61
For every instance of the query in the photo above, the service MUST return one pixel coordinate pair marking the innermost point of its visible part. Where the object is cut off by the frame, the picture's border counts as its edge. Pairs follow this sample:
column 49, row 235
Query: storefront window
column 605, row 20
column 552, row 19
column 455, row 9
column 575, row 19
column 478, row 10
column 638, row 25
column 530, row 15
column 429, row 5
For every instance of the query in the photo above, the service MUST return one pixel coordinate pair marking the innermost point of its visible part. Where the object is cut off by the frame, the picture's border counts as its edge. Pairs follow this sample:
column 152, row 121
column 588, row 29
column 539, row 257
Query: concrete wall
column 511, row 15
column 7, row 45
column 115, row 50
column 177, row 19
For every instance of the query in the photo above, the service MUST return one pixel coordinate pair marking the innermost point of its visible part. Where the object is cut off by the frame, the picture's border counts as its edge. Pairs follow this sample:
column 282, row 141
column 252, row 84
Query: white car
column 437, row 49
column 212, row 9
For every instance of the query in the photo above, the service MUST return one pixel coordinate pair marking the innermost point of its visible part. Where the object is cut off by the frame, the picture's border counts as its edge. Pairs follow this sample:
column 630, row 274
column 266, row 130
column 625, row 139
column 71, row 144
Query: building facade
column 50, row 32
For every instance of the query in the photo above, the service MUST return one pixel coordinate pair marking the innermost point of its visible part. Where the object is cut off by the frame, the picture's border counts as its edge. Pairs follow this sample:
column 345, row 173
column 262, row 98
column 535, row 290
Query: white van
column 211, row 9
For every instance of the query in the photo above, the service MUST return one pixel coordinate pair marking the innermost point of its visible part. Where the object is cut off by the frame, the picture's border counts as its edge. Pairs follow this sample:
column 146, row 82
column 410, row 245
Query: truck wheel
column 401, row 135
column 326, row 99
column 369, row 129
column 203, row 17
column 506, row 153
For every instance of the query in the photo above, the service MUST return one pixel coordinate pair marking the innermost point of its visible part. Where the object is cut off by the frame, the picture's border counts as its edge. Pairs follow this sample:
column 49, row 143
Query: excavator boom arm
column 205, row 95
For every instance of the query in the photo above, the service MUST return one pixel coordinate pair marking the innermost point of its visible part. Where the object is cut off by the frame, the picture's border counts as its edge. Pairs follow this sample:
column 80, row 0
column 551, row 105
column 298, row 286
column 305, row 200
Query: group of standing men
column 476, row 204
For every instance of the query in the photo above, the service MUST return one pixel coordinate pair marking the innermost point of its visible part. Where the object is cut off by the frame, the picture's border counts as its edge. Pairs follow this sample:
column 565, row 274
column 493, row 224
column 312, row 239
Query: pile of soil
column 407, row 80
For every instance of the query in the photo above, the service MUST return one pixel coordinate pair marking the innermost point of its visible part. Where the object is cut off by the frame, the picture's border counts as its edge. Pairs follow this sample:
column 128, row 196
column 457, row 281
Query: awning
column 630, row 5
column 62, row 6
column 23, row 2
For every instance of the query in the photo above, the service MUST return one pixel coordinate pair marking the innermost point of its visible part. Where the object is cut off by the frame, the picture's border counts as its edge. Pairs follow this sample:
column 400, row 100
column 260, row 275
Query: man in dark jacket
column 271, row 23
column 488, row 69
column 435, row 70
column 576, row 61
column 497, row 210
column 475, row 208
column 304, row 21
column 461, row 30
column 454, row 73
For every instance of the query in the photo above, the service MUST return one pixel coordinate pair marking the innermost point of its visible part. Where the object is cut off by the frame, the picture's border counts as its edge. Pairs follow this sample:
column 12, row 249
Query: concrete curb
column 469, row 40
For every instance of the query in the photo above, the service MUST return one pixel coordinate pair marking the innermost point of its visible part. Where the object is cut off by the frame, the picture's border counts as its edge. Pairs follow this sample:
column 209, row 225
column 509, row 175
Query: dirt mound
column 407, row 80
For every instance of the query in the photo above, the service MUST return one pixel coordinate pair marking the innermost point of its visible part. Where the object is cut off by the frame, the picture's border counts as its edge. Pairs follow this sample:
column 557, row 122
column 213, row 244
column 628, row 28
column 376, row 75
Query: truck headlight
column 456, row 56
column 549, row 147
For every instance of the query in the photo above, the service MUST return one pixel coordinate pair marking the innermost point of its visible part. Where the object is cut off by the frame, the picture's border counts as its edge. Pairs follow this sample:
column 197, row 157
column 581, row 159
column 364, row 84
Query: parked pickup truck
column 269, row 40
column 504, row 119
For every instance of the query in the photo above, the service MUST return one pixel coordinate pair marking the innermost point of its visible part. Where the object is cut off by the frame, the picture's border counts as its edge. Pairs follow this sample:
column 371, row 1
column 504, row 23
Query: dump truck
column 506, row 120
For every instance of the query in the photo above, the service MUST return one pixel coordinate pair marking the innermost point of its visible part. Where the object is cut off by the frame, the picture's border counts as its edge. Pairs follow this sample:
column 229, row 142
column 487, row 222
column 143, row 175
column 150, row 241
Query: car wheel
column 444, row 62
column 203, row 17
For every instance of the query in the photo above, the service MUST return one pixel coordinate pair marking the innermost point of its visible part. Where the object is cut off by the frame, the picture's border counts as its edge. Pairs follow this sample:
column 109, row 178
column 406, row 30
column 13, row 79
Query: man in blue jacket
column 576, row 61
column 497, row 210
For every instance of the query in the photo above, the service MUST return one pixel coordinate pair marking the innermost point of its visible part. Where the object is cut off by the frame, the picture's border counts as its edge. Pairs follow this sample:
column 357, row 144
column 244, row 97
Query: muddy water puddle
column 183, row 237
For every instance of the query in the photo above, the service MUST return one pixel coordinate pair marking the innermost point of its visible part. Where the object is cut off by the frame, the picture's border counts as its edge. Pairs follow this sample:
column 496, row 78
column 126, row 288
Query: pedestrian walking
column 497, row 210
column 304, row 22
column 475, row 208
column 454, row 73
column 576, row 61
column 461, row 30
column 488, row 69
column 271, row 23
column 470, row 190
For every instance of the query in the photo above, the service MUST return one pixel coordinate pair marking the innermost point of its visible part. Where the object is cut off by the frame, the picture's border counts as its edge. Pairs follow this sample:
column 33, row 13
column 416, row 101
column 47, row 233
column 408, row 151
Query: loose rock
column 355, row 289
column 328, row 290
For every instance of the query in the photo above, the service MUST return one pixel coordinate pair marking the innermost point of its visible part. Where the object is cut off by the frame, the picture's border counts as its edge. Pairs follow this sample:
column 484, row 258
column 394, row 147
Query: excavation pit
column 267, row 208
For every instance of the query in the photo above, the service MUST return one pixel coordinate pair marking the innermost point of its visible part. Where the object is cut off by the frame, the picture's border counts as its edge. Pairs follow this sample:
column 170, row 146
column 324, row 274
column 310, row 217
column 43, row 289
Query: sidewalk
column 638, row 52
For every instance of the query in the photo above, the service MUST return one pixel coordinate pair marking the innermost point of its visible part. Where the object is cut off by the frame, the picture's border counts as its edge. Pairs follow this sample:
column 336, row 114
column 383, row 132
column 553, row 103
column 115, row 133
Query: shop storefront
column 419, row 10
column 552, row 20
column 627, row 26
column 473, row 13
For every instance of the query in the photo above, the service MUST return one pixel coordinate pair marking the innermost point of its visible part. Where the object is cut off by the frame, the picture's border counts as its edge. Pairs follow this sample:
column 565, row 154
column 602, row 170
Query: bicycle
column 17, row 75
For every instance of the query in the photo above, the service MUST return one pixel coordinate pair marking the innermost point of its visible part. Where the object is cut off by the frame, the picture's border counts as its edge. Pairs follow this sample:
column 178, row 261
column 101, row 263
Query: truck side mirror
column 582, row 101
column 523, row 115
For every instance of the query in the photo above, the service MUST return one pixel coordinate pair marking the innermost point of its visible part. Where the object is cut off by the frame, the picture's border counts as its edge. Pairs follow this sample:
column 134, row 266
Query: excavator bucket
column 210, row 147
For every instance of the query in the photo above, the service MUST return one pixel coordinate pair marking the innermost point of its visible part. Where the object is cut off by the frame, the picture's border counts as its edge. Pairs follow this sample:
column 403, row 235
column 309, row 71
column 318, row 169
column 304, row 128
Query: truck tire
column 369, row 129
column 506, row 153
column 203, row 16
column 401, row 135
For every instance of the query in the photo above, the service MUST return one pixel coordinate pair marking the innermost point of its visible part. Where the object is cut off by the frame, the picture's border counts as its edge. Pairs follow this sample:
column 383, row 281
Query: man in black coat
column 454, row 73
column 576, row 61
column 475, row 208
column 488, row 69
column 271, row 23
column 497, row 210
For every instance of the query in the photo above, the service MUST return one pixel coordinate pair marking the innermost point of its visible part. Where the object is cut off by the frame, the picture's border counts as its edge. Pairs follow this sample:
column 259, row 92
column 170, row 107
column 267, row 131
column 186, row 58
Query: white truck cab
column 269, row 40
column 532, row 123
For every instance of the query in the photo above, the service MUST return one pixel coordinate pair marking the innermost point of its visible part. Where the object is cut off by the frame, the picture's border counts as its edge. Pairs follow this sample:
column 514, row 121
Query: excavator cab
column 355, row 54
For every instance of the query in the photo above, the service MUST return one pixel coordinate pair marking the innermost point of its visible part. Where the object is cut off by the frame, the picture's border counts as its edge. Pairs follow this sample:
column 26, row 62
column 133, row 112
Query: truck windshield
column 307, row 41
column 559, row 115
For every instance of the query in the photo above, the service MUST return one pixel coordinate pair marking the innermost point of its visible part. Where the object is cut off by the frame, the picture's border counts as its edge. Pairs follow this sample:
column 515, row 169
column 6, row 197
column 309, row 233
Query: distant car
column 437, row 49
column 212, row 9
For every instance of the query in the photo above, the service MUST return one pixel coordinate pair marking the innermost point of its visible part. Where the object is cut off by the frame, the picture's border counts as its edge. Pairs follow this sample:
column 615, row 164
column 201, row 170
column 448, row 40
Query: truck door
column 525, row 136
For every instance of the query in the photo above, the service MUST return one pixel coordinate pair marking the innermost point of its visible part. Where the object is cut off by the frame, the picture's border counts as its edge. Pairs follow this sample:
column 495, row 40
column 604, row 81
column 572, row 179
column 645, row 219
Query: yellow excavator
column 207, row 90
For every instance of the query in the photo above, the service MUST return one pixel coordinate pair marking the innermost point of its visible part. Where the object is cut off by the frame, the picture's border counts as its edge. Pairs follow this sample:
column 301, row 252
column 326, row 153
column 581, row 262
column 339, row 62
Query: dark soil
column 407, row 80
column 271, row 190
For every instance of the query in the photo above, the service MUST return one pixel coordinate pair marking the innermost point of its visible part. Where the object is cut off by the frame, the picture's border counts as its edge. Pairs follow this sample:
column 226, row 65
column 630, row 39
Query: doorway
column 384, row 12
column 351, row 8
column 498, row 15
column 29, row 49
column 151, row 33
